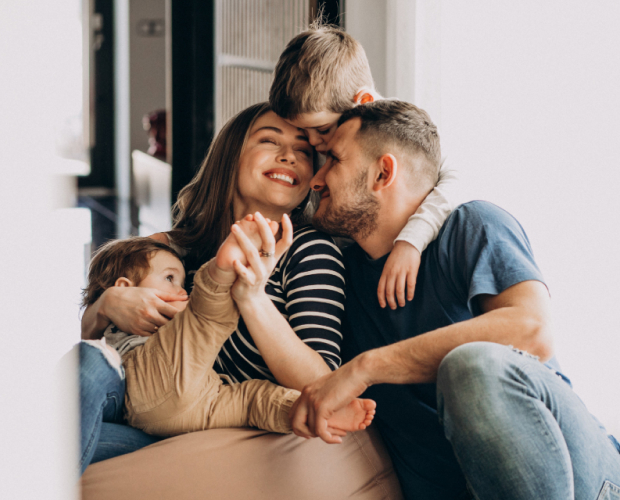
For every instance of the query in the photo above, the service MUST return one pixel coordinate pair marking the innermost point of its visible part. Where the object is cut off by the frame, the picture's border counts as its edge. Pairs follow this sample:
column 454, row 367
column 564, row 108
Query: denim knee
column 476, row 361
column 466, row 374
column 96, row 370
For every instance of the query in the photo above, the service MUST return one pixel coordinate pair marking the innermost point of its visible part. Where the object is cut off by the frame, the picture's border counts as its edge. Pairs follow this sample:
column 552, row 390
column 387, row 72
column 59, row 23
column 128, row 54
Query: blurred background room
column 109, row 106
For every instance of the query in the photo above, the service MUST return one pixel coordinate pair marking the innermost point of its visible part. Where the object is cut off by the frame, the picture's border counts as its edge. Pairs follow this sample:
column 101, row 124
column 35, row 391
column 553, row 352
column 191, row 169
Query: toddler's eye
column 170, row 278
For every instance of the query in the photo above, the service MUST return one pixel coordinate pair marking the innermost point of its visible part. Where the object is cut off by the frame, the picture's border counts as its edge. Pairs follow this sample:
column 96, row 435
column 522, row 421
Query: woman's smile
column 283, row 176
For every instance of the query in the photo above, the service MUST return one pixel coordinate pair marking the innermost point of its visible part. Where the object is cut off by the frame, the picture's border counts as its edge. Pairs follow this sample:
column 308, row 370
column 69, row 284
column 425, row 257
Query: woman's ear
column 386, row 173
column 123, row 282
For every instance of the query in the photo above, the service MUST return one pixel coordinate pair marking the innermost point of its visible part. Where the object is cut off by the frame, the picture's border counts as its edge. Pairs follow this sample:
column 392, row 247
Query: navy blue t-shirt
column 481, row 249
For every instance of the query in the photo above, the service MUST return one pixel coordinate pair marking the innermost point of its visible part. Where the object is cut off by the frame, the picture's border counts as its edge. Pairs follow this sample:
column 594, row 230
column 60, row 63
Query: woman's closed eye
column 305, row 151
column 324, row 131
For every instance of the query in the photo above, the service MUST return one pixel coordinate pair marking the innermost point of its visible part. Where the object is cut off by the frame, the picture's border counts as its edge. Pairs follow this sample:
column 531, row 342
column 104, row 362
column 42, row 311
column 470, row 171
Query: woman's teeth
column 282, row 177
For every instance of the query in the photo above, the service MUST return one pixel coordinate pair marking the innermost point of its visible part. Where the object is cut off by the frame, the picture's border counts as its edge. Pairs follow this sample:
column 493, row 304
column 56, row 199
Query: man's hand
column 320, row 399
column 399, row 275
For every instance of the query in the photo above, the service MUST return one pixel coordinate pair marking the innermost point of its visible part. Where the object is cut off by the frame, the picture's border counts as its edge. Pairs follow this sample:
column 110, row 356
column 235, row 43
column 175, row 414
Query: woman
column 291, row 335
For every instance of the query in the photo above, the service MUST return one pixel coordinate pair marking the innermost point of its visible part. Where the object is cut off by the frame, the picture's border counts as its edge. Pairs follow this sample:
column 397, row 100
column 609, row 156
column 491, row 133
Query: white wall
column 526, row 98
column 38, row 419
column 531, row 116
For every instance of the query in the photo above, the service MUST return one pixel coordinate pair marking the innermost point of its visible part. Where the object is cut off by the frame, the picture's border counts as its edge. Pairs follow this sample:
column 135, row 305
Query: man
column 464, row 402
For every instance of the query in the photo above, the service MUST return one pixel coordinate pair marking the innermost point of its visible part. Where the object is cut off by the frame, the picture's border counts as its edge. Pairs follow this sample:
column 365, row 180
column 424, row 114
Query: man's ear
column 123, row 282
column 365, row 95
column 387, row 170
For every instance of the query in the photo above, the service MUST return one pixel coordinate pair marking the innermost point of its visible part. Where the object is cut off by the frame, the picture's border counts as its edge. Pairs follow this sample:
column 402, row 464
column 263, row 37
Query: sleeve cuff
column 418, row 233
column 203, row 278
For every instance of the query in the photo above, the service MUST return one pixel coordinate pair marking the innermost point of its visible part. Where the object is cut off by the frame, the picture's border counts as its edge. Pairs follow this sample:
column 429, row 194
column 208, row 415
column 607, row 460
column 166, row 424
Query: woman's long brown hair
column 203, row 213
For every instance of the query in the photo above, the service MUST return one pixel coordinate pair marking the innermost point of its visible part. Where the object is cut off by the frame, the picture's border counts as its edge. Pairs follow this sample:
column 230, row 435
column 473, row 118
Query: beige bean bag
column 247, row 464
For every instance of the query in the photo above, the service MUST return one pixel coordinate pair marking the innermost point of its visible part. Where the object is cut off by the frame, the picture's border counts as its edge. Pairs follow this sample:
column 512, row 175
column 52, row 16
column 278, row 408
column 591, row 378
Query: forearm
column 416, row 360
column 293, row 363
column 94, row 322
column 424, row 225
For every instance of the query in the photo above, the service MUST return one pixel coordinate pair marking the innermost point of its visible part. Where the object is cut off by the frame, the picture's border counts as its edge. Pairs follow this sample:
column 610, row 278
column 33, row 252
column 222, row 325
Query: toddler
column 171, row 385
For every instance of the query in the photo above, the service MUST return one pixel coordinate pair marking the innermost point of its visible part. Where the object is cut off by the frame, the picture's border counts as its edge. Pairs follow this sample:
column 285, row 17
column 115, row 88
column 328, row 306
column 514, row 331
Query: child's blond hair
column 321, row 69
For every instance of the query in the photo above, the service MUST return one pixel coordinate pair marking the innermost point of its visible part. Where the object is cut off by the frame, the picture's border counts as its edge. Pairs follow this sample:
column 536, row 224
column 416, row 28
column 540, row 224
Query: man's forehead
column 345, row 133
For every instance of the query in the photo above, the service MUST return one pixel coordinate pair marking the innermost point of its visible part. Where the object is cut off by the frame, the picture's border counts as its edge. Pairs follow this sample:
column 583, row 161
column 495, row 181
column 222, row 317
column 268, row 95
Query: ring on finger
column 262, row 253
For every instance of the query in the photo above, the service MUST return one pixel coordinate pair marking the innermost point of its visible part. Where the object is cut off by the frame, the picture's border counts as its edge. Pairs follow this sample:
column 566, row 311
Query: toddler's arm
column 401, row 268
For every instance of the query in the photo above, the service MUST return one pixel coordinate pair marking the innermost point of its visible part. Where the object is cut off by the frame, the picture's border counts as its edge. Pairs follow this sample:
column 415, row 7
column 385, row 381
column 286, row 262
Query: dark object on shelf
column 155, row 124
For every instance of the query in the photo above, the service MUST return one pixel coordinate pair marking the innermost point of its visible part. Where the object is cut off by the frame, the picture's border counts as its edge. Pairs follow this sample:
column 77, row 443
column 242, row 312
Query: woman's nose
column 286, row 155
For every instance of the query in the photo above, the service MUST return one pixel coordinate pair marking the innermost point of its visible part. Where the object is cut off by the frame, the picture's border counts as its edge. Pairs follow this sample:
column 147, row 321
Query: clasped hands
column 249, row 254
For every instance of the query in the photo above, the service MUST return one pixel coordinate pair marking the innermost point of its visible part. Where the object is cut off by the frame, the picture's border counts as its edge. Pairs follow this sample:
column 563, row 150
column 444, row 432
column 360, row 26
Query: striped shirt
column 307, row 287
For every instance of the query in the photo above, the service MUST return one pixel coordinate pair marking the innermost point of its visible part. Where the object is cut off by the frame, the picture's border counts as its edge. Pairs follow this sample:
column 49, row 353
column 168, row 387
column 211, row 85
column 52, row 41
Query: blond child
column 322, row 73
column 171, row 385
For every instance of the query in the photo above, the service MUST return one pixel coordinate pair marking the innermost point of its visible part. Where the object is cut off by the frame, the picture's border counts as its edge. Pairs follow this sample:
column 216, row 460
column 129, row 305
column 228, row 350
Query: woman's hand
column 140, row 311
column 256, row 267
column 223, row 271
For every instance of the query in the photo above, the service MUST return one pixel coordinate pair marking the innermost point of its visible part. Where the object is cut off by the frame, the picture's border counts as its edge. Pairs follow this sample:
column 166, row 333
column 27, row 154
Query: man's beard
column 356, row 220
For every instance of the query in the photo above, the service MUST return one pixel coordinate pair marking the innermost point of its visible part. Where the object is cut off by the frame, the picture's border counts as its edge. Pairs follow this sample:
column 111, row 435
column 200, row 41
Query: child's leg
column 193, row 339
column 259, row 403
column 253, row 403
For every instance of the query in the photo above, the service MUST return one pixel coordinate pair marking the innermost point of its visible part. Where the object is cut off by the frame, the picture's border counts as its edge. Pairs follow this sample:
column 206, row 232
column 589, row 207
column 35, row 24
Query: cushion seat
column 235, row 464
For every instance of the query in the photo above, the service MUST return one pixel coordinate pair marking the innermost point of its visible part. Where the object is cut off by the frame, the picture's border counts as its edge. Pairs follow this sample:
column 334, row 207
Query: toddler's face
column 319, row 127
column 167, row 274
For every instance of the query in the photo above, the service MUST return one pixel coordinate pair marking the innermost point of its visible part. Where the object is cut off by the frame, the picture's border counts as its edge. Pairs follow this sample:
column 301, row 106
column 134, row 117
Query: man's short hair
column 129, row 258
column 321, row 69
column 389, row 124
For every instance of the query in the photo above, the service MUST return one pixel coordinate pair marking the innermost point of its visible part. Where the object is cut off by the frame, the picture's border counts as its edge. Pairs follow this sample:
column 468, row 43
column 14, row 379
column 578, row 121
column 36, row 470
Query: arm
column 292, row 362
column 424, row 225
column 518, row 316
column 401, row 268
column 134, row 310
column 306, row 346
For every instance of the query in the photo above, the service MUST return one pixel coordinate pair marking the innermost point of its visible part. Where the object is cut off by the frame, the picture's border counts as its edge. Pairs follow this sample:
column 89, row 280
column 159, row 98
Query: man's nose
column 318, row 181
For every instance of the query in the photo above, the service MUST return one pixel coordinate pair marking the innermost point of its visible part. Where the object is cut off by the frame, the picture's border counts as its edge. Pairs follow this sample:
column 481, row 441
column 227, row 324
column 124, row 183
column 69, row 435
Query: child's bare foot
column 356, row 416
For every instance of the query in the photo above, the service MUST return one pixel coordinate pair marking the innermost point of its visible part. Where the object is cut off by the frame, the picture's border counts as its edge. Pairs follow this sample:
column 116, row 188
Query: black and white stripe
column 308, row 288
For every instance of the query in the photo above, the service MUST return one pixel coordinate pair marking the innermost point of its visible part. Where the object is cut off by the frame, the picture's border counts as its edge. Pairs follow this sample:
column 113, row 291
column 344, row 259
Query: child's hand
column 230, row 251
column 255, row 269
column 400, row 272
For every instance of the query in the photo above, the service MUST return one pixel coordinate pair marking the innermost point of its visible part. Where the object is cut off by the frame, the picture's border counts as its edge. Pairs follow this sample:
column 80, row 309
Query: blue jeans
column 519, row 431
column 102, row 392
